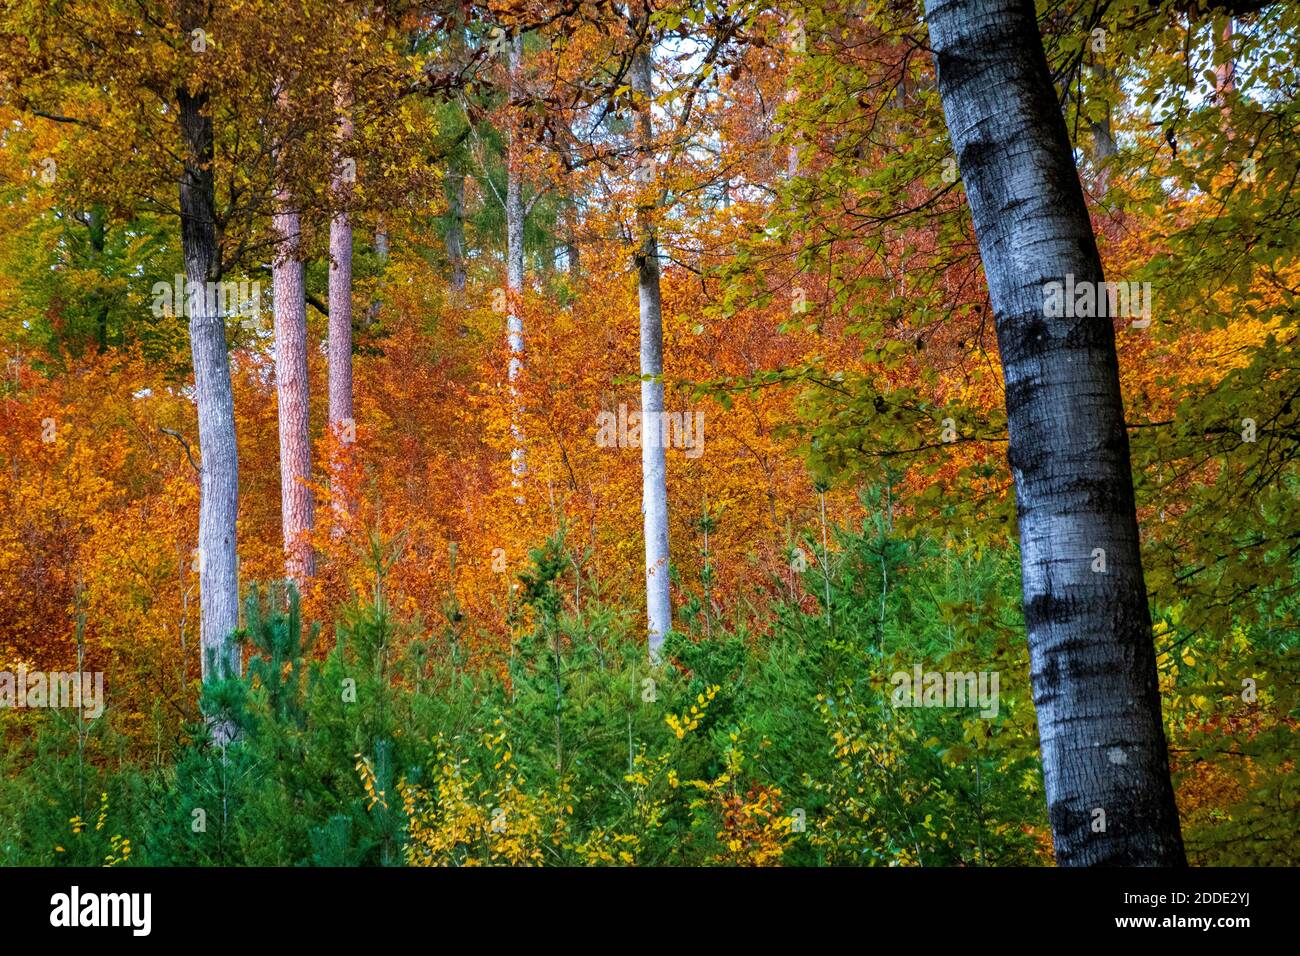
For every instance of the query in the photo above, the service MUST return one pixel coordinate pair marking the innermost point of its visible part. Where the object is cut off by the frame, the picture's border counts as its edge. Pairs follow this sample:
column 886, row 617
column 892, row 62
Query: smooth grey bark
column 515, row 264
column 213, row 398
column 1092, row 655
column 654, row 488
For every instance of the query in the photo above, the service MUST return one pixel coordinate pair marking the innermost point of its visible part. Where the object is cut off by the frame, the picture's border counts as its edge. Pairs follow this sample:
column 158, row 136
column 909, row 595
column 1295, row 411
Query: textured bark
column 219, row 483
column 342, row 424
column 515, row 263
column 1091, row 650
column 340, row 323
column 654, row 488
column 290, row 306
column 296, row 504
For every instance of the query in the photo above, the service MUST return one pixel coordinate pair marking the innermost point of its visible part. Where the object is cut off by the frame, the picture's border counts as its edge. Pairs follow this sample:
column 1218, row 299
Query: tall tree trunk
column 654, row 488
column 342, row 423
column 290, row 310
column 98, row 231
column 456, row 227
column 381, row 254
column 1105, row 765
column 219, row 483
column 1225, row 74
column 515, row 262
column 572, row 251
column 1104, row 146
column 571, row 215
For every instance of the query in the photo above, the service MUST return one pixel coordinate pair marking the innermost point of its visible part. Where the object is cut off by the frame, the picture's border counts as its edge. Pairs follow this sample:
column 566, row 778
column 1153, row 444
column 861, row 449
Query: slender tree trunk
column 296, row 506
column 654, row 489
column 572, row 251
column 515, row 263
column 98, row 235
column 290, row 303
column 455, row 181
column 381, row 254
column 1225, row 74
column 456, row 228
column 1105, row 766
column 1103, row 137
column 219, row 484
column 342, row 423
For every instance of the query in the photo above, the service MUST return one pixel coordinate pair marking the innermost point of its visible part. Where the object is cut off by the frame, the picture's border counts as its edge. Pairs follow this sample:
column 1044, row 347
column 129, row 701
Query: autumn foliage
column 845, row 509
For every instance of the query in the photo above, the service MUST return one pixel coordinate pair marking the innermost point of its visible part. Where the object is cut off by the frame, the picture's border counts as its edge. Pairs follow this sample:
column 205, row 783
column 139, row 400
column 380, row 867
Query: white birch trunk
column 654, row 490
column 1092, row 657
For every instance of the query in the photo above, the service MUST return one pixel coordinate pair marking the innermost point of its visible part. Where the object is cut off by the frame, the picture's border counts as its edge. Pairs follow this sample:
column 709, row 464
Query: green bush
column 385, row 749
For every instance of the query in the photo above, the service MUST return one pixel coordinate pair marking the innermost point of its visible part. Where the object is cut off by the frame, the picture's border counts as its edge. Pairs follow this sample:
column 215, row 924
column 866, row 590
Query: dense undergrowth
column 784, row 748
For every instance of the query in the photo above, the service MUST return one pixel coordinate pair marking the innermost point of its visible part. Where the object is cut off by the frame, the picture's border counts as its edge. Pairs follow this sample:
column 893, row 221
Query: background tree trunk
column 98, row 233
column 290, row 303
column 515, row 260
column 1225, row 74
column 572, row 255
column 381, row 255
column 456, row 228
column 219, row 483
column 654, row 488
column 1104, row 147
column 342, row 422
column 1091, row 650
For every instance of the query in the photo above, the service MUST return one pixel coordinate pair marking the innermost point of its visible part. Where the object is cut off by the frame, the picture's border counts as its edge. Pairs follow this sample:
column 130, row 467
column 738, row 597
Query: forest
column 649, row 433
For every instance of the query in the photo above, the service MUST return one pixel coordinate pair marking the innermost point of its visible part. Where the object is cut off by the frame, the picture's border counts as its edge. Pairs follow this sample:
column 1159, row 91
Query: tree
column 219, row 501
column 515, row 214
column 1105, row 764
column 288, row 276
column 455, row 179
column 342, row 423
column 654, row 465
column 213, row 100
